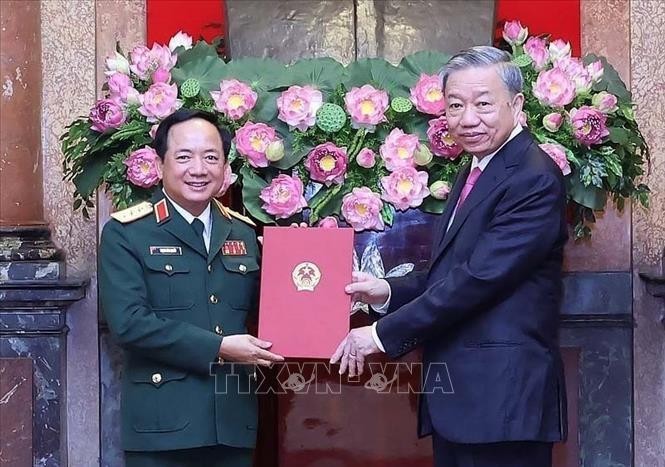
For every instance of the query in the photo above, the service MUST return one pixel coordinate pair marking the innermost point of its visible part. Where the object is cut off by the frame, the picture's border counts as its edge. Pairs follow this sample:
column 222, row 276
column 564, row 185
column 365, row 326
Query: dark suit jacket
column 169, row 312
column 487, row 310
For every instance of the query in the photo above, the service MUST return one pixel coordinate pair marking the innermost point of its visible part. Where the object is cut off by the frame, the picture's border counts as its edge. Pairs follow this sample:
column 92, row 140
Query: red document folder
column 304, row 310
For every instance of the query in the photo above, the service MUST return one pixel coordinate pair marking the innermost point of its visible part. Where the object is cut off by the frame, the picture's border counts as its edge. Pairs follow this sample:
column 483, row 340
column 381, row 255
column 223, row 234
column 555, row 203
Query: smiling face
column 193, row 167
column 480, row 110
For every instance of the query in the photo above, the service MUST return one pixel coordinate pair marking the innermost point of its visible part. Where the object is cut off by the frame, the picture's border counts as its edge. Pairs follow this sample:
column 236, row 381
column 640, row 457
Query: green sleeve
column 123, row 295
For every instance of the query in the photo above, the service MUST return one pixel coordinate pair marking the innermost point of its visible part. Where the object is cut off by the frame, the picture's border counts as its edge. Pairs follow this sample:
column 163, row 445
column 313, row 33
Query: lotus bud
column 423, row 155
column 275, row 151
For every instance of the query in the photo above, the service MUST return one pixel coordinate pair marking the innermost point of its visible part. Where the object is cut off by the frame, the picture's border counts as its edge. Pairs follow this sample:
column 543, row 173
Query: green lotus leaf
column 380, row 74
column 426, row 61
column 252, row 184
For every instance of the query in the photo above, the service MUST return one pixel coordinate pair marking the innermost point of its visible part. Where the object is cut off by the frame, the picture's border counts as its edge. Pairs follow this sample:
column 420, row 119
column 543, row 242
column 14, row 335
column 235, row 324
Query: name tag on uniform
column 165, row 251
column 234, row 248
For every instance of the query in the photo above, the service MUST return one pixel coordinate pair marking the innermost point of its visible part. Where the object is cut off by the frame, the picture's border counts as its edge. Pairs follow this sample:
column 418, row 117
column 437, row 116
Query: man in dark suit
column 177, row 279
column 487, row 310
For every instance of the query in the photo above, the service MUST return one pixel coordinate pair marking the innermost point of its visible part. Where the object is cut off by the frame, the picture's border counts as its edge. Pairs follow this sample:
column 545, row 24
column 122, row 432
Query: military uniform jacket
column 169, row 303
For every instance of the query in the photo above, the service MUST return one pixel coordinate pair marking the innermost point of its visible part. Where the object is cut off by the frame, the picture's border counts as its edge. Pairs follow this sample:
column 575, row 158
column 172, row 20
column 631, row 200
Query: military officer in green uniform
column 177, row 280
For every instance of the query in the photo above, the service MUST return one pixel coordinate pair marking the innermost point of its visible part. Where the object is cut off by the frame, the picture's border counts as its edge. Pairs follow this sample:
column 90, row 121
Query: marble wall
column 120, row 21
column 68, row 76
column 647, row 42
column 77, row 35
column 605, row 31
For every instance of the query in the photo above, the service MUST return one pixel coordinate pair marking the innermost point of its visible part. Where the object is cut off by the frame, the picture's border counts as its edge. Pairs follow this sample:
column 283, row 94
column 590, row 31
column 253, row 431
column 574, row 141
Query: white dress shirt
column 204, row 217
column 482, row 165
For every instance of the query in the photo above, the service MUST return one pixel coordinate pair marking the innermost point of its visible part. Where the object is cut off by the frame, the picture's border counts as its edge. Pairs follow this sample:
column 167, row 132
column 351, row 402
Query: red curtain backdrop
column 560, row 18
column 198, row 18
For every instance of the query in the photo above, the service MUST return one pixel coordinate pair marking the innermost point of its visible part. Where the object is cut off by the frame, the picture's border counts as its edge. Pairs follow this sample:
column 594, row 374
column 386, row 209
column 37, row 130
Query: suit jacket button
column 213, row 299
column 168, row 268
column 210, row 268
column 157, row 378
column 218, row 330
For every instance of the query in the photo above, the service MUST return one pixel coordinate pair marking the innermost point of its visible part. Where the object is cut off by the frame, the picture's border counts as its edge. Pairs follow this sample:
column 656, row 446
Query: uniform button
column 242, row 268
column 213, row 299
column 218, row 330
column 168, row 268
column 210, row 268
column 157, row 378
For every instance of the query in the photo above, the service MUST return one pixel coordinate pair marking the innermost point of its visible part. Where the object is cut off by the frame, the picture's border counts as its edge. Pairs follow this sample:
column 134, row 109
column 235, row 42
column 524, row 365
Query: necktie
column 198, row 227
column 468, row 185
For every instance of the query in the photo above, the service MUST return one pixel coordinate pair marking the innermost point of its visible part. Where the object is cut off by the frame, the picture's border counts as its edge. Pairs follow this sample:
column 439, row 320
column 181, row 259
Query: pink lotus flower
column 595, row 70
column 234, row 98
column 559, row 49
column 159, row 101
column 554, row 88
column 558, row 155
column 329, row 222
column 145, row 61
column 122, row 90
column 161, row 75
column 536, row 48
column 589, row 125
column 514, row 33
column 142, row 167
column 443, row 145
column 298, row 105
column 605, row 102
column 116, row 63
column 575, row 70
column 398, row 149
column 362, row 209
column 327, row 163
column 427, row 95
column 405, row 188
column 367, row 106
column 552, row 122
column 439, row 189
column 228, row 180
column 366, row 158
column 106, row 115
column 252, row 141
column 283, row 197
column 180, row 39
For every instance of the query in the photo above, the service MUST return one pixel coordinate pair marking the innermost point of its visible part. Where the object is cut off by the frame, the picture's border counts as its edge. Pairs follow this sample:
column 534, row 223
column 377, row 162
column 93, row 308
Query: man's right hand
column 368, row 289
column 243, row 348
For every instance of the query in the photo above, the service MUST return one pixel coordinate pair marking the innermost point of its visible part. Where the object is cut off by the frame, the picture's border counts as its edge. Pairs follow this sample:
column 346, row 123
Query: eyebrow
column 205, row 150
column 475, row 96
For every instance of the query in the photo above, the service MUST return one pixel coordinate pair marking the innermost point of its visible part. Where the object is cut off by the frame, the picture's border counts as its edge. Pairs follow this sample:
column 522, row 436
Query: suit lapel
column 494, row 174
column 451, row 202
column 221, row 228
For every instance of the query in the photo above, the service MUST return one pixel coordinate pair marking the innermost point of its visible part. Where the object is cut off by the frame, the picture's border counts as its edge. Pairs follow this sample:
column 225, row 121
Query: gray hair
column 482, row 56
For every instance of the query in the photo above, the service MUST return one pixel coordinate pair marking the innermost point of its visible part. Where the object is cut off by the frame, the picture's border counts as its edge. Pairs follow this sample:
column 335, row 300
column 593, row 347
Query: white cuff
column 375, row 336
column 383, row 309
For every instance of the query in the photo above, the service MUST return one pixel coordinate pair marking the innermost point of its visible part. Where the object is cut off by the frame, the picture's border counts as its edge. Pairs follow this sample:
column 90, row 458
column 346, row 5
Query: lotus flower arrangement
column 350, row 145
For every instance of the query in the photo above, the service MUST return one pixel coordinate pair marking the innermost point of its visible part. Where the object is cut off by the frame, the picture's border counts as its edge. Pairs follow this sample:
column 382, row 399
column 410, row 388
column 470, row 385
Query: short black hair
column 160, row 143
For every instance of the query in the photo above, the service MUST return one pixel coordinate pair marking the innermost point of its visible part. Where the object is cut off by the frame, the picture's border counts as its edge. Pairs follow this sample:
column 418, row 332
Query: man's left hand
column 352, row 351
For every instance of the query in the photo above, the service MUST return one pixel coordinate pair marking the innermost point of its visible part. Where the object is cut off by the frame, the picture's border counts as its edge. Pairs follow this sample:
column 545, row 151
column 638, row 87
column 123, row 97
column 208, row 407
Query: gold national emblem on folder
column 306, row 276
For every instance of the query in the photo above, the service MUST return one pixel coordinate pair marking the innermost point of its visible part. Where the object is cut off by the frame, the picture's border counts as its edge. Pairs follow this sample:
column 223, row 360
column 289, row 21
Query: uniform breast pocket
column 169, row 284
column 241, row 279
